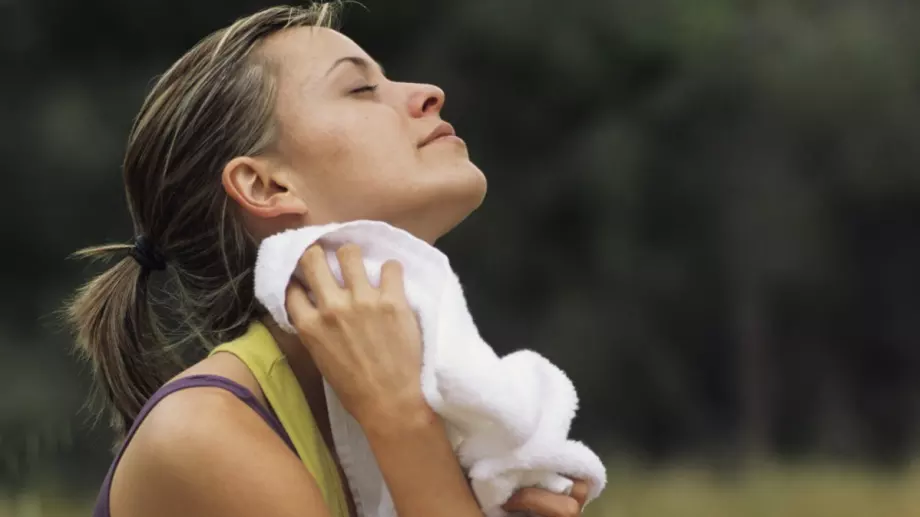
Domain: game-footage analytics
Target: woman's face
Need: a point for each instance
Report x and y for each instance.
(353, 144)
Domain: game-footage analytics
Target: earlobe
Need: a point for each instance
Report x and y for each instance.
(260, 188)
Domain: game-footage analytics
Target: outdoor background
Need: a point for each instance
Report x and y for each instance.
(706, 212)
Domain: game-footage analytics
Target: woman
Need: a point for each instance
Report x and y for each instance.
(274, 122)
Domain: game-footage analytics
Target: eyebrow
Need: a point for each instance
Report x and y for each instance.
(359, 62)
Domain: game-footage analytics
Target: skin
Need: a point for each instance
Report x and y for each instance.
(345, 152)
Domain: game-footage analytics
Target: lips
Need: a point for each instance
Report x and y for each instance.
(443, 129)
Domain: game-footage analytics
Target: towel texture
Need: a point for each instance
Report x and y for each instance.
(508, 417)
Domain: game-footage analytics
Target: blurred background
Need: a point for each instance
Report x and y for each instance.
(706, 212)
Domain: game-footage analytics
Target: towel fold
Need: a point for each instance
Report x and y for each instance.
(508, 417)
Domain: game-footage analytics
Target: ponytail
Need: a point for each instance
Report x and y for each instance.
(215, 103)
(118, 332)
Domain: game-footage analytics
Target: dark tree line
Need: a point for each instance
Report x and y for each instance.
(707, 212)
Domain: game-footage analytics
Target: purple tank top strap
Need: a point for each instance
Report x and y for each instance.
(192, 381)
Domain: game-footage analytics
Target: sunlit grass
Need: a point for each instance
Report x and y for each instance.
(36, 504)
(775, 491)
(778, 491)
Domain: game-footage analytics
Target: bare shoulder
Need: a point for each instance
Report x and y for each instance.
(203, 452)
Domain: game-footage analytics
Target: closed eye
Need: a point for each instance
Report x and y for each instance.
(369, 88)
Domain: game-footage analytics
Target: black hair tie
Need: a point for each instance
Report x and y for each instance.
(146, 254)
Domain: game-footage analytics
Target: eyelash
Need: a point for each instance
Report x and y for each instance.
(369, 88)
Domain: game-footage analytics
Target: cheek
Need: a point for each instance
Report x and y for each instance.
(367, 153)
(351, 142)
(349, 159)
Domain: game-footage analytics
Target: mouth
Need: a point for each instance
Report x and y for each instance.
(443, 131)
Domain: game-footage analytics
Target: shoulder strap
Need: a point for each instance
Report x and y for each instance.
(192, 381)
(209, 381)
(259, 351)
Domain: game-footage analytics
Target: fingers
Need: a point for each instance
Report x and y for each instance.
(326, 289)
(353, 273)
(548, 504)
(301, 312)
(391, 280)
(318, 275)
(579, 492)
(543, 503)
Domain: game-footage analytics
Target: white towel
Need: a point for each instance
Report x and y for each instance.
(508, 418)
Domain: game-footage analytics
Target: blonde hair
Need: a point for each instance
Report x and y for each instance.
(215, 103)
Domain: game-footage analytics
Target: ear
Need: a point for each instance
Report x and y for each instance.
(261, 188)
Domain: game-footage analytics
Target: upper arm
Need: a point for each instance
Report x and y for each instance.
(202, 452)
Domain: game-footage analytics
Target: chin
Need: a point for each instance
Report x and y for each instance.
(442, 215)
(449, 196)
(452, 212)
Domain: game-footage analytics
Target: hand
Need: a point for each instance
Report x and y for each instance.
(365, 341)
(548, 504)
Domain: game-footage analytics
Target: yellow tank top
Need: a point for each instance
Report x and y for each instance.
(259, 351)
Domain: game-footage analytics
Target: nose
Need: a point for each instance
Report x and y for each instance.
(426, 99)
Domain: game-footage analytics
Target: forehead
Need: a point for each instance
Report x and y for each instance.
(307, 53)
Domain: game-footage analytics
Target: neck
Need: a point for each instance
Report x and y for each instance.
(308, 375)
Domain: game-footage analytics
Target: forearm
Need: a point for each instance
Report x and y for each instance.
(420, 469)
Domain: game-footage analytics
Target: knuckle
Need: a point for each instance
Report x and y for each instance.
(313, 252)
(304, 324)
(364, 304)
(389, 304)
(304, 261)
(348, 250)
(294, 304)
(310, 255)
(329, 316)
(334, 309)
